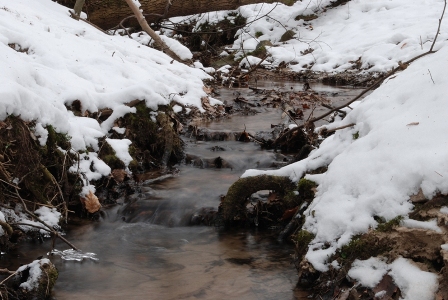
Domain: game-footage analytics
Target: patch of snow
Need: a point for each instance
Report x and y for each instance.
(414, 283)
(49, 215)
(34, 273)
(368, 272)
(121, 148)
(431, 224)
(444, 210)
(444, 247)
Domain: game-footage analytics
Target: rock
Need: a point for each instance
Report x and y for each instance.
(34, 281)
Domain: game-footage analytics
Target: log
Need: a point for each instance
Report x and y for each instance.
(108, 13)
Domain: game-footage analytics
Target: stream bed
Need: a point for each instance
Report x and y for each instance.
(149, 252)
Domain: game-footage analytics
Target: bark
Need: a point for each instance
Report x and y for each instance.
(144, 24)
(108, 13)
(78, 8)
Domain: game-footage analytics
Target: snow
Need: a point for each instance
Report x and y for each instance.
(430, 225)
(368, 272)
(49, 215)
(34, 273)
(414, 283)
(48, 60)
(121, 148)
(379, 33)
(375, 174)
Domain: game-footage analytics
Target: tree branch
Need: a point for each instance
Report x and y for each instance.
(157, 40)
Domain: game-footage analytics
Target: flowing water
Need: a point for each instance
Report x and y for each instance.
(147, 251)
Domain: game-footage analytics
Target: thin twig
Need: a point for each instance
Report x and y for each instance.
(431, 76)
(438, 29)
(43, 223)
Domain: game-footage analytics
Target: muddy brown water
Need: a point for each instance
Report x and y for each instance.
(150, 253)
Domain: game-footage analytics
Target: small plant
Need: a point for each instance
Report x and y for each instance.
(302, 239)
(354, 248)
(258, 34)
(356, 135)
(384, 226)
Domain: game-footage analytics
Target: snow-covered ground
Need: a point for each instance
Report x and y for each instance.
(380, 33)
(48, 60)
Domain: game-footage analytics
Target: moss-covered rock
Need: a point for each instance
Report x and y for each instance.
(233, 206)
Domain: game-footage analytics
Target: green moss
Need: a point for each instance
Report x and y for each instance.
(302, 239)
(57, 139)
(305, 188)
(364, 246)
(356, 135)
(234, 204)
(384, 226)
(258, 34)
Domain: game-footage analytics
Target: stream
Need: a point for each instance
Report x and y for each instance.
(147, 251)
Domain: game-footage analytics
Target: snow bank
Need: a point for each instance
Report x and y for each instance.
(48, 60)
(401, 148)
(414, 283)
(378, 33)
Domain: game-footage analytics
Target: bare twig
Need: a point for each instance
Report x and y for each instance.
(43, 223)
(157, 40)
(438, 28)
(6, 279)
(431, 76)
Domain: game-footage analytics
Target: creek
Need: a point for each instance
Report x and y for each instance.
(147, 251)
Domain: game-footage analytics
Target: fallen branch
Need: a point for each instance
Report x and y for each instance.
(157, 40)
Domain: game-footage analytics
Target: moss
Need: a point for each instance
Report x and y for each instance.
(384, 226)
(57, 139)
(356, 135)
(363, 247)
(305, 188)
(288, 35)
(233, 207)
(258, 34)
(304, 237)
(47, 281)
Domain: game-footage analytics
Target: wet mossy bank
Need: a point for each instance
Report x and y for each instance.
(43, 170)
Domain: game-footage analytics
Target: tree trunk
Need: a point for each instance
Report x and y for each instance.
(108, 13)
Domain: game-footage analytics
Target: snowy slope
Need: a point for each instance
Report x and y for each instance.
(48, 60)
(380, 33)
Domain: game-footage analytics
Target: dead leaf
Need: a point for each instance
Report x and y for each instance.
(91, 203)
(387, 287)
(207, 90)
(413, 124)
(119, 175)
(289, 213)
